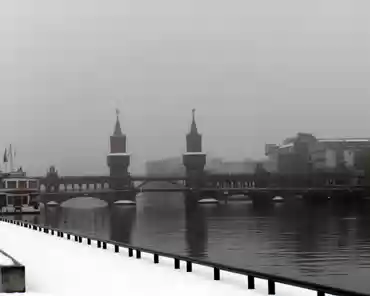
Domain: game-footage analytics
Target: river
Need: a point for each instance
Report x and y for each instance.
(327, 244)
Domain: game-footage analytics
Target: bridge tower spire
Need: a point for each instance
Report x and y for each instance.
(118, 159)
(194, 160)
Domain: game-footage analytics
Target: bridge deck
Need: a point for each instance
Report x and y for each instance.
(57, 266)
(229, 190)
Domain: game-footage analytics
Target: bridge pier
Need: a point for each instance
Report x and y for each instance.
(127, 197)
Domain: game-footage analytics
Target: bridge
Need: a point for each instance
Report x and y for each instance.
(196, 184)
(217, 187)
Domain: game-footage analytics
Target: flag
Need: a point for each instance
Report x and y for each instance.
(5, 156)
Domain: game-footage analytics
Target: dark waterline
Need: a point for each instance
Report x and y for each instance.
(328, 243)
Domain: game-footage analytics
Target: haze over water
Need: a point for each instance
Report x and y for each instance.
(327, 244)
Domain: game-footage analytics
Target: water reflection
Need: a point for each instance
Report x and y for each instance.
(196, 233)
(122, 221)
(326, 243)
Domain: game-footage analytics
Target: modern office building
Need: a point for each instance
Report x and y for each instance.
(304, 153)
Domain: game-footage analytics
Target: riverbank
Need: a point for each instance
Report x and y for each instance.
(56, 266)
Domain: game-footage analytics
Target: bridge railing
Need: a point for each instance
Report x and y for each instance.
(321, 290)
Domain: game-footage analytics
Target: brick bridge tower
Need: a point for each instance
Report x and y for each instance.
(118, 161)
(51, 180)
(194, 161)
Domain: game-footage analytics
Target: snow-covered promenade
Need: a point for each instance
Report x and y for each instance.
(57, 266)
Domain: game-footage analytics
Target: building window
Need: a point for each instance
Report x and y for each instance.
(22, 184)
(11, 184)
(33, 184)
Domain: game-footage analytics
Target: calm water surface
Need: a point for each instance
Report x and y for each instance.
(329, 244)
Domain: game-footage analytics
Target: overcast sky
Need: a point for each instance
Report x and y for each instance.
(257, 71)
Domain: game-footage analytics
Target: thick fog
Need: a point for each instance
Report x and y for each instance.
(256, 71)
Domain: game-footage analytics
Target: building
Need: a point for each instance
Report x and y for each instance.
(174, 166)
(305, 153)
(165, 167)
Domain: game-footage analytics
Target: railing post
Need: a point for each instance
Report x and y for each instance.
(116, 249)
(68, 236)
(104, 245)
(76, 238)
(189, 267)
(89, 241)
(251, 282)
(130, 252)
(156, 258)
(177, 263)
(52, 232)
(320, 293)
(99, 244)
(216, 274)
(138, 254)
(61, 234)
(271, 287)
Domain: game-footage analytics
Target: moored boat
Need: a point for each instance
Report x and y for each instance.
(18, 193)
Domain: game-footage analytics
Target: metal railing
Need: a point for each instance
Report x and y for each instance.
(321, 290)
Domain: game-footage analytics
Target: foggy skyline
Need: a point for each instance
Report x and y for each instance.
(256, 72)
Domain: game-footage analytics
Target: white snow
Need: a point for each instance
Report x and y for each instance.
(52, 203)
(208, 200)
(125, 202)
(5, 260)
(57, 266)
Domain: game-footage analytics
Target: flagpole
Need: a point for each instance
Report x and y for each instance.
(5, 160)
(11, 158)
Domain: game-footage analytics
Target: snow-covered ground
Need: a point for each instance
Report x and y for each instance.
(57, 266)
(5, 260)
